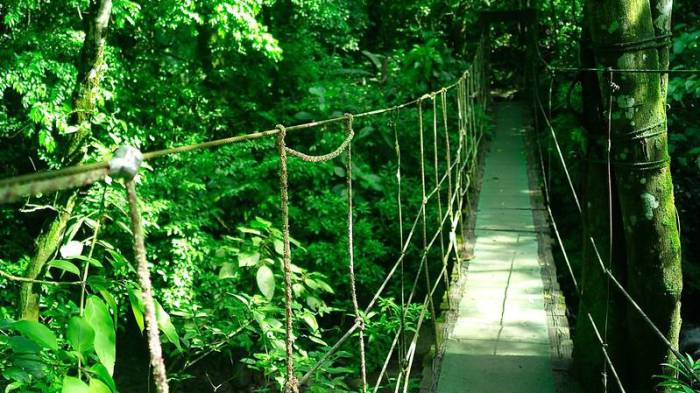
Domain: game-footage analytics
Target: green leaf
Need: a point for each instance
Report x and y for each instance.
(98, 316)
(318, 341)
(74, 385)
(279, 246)
(322, 285)
(248, 259)
(137, 307)
(227, 270)
(65, 266)
(97, 386)
(22, 345)
(166, 326)
(250, 231)
(313, 302)
(91, 261)
(310, 320)
(101, 372)
(109, 299)
(266, 281)
(80, 334)
(13, 386)
(37, 332)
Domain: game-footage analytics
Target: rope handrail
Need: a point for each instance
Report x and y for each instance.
(14, 188)
(571, 69)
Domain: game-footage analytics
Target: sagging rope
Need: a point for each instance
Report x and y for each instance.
(15, 188)
(292, 383)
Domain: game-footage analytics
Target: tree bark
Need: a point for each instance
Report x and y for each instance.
(605, 305)
(624, 37)
(90, 71)
(661, 13)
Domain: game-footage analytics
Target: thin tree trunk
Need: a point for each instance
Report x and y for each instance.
(90, 71)
(623, 35)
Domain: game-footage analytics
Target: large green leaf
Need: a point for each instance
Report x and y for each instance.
(74, 385)
(81, 335)
(227, 270)
(136, 300)
(266, 281)
(248, 259)
(97, 314)
(37, 332)
(310, 320)
(101, 372)
(166, 326)
(21, 344)
(65, 266)
(97, 386)
(279, 246)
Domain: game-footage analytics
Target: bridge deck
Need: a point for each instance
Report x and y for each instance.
(500, 341)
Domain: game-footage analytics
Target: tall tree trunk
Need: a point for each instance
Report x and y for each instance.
(90, 71)
(624, 36)
(603, 303)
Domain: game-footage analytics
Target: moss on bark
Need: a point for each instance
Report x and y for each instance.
(643, 179)
(90, 71)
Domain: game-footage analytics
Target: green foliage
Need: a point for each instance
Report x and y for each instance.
(685, 376)
(37, 359)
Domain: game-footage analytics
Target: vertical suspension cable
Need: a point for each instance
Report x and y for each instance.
(439, 199)
(608, 150)
(402, 326)
(448, 163)
(448, 149)
(291, 383)
(424, 201)
(351, 261)
(457, 185)
(468, 128)
(549, 115)
(160, 378)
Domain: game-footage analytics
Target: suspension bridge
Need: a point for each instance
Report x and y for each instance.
(504, 327)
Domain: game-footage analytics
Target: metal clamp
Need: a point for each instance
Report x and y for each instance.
(125, 163)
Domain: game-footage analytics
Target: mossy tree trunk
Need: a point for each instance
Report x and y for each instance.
(90, 72)
(625, 36)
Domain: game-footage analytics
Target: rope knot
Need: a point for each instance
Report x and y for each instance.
(350, 117)
(292, 385)
(360, 322)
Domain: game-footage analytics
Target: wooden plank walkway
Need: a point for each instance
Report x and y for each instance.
(500, 342)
